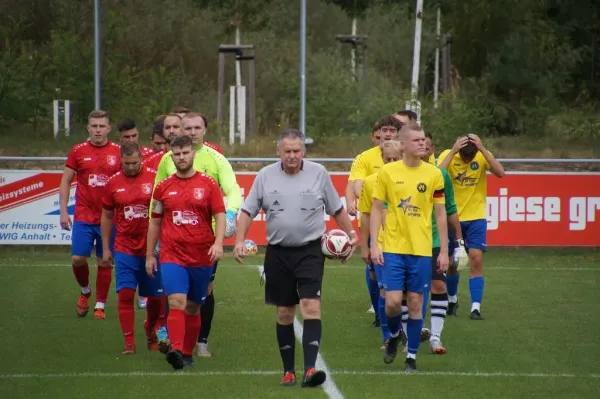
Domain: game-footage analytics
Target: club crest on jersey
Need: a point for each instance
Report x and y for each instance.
(146, 188)
(421, 187)
(199, 193)
(474, 165)
(111, 159)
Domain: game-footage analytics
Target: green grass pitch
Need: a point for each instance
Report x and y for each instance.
(540, 339)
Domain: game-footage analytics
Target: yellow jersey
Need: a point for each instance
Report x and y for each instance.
(432, 159)
(365, 201)
(410, 194)
(366, 163)
(470, 185)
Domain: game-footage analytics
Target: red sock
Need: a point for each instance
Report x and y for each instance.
(192, 329)
(82, 275)
(152, 311)
(103, 279)
(176, 327)
(162, 319)
(126, 313)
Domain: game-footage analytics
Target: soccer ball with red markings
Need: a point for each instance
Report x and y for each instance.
(335, 244)
(250, 247)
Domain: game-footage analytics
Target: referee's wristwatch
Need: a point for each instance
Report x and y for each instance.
(459, 242)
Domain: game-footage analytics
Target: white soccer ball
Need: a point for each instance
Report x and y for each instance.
(335, 244)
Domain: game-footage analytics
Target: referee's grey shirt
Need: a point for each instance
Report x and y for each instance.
(294, 205)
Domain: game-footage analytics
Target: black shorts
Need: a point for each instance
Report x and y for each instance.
(434, 273)
(293, 273)
(214, 273)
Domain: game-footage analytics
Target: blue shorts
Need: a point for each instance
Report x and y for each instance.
(474, 233)
(379, 275)
(193, 281)
(406, 272)
(85, 235)
(130, 272)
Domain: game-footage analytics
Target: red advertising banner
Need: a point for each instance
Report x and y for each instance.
(523, 209)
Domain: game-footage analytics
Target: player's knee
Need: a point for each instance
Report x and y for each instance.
(78, 261)
(177, 301)
(476, 260)
(285, 315)
(415, 303)
(438, 287)
(393, 300)
(192, 308)
(310, 308)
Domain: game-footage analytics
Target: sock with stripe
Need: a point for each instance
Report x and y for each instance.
(439, 306)
(126, 313)
(287, 345)
(404, 315)
(311, 340)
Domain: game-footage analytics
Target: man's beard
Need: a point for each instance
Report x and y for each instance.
(185, 168)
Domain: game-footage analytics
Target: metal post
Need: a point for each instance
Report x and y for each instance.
(353, 52)
(97, 55)
(436, 77)
(67, 117)
(56, 120)
(417, 50)
(303, 66)
(231, 115)
(221, 83)
(252, 97)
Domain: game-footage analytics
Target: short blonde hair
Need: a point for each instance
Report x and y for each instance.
(394, 145)
(98, 114)
(191, 115)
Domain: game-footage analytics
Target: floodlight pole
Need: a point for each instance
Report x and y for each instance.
(97, 56)
(303, 66)
(417, 51)
(436, 78)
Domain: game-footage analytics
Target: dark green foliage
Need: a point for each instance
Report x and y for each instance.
(519, 66)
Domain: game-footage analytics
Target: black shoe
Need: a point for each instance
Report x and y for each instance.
(452, 306)
(313, 378)
(175, 359)
(188, 360)
(377, 322)
(476, 315)
(389, 354)
(410, 366)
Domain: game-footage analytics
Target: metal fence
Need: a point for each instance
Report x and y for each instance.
(333, 160)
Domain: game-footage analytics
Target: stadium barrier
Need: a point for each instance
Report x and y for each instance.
(523, 208)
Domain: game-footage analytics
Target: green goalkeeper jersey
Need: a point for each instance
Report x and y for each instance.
(450, 205)
(215, 165)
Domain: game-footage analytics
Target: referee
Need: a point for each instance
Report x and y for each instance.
(295, 195)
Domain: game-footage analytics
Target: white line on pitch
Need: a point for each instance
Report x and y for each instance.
(490, 374)
(329, 385)
(489, 268)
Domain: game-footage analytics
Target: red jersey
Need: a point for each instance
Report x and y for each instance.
(94, 166)
(153, 160)
(214, 147)
(146, 151)
(187, 207)
(129, 198)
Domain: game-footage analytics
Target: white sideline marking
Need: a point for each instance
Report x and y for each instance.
(329, 386)
(490, 268)
(99, 374)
